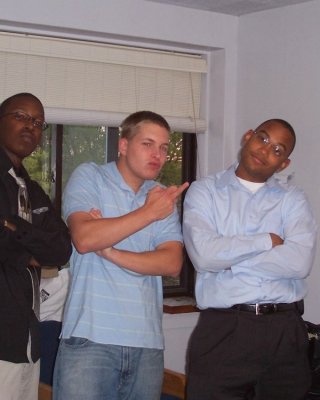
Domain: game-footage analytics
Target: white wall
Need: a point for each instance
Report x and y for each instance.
(177, 331)
(279, 64)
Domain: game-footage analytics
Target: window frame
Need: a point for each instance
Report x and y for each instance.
(189, 172)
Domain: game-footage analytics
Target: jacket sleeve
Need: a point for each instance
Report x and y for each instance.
(46, 239)
(10, 252)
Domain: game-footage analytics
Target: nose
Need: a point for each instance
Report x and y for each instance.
(157, 152)
(265, 148)
(29, 123)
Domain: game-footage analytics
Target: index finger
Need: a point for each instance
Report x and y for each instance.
(181, 188)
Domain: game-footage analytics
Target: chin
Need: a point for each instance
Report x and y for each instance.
(151, 176)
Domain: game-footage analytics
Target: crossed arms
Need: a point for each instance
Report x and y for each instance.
(92, 233)
(221, 236)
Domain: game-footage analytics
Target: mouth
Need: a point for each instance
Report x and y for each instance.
(257, 159)
(154, 166)
(27, 137)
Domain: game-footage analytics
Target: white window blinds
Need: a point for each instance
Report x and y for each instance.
(100, 84)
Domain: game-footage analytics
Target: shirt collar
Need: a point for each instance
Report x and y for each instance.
(228, 177)
(144, 189)
(6, 165)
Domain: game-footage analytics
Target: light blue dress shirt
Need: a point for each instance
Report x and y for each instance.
(108, 304)
(226, 232)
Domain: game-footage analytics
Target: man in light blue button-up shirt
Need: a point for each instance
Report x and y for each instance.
(251, 239)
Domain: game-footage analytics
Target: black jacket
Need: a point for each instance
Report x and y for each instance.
(47, 239)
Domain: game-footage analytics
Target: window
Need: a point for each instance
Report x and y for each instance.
(64, 147)
(97, 82)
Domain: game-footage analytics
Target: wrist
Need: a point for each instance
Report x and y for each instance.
(6, 224)
(148, 215)
(110, 254)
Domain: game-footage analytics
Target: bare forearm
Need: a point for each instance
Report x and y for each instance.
(91, 232)
(162, 261)
(95, 234)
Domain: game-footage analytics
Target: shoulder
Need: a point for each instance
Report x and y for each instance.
(294, 198)
(89, 173)
(207, 183)
(286, 188)
(87, 168)
(295, 194)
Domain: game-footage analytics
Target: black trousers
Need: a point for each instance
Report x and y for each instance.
(50, 332)
(237, 355)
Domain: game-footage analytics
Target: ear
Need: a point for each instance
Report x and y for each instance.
(123, 146)
(247, 136)
(284, 165)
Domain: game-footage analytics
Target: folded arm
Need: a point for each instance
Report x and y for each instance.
(294, 257)
(45, 241)
(93, 234)
(285, 250)
(207, 248)
(165, 260)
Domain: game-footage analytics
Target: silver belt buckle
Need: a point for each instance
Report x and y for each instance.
(258, 309)
(258, 312)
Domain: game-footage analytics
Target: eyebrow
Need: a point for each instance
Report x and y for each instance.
(40, 116)
(153, 141)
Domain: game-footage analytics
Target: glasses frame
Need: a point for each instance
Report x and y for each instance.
(25, 117)
(277, 149)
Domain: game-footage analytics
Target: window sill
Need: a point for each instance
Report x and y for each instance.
(179, 305)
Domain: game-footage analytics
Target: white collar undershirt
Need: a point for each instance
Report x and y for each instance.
(252, 186)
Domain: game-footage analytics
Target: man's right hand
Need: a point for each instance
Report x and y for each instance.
(161, 201)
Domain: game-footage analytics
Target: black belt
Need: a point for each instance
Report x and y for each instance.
(266, 308)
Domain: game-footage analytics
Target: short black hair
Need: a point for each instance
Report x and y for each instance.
(5, 104)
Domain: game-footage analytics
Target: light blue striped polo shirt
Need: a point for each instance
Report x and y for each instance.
(108, 304)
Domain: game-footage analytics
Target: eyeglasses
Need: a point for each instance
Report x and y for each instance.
(24, 117)
(277, 149)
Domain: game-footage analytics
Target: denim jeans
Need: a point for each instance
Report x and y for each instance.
(86, 370)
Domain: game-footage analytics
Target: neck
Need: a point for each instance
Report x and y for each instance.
(16, 161)
(243, 174)
(131, 180)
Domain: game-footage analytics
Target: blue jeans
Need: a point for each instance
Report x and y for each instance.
(86, 370)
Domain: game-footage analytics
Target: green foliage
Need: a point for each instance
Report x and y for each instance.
(81, 144)
(38, 164)
(171, 173)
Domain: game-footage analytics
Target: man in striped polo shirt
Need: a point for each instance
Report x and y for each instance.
(126, 234)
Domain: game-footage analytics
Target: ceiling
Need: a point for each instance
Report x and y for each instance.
(232, 7)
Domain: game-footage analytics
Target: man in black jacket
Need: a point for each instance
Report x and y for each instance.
(31, 235)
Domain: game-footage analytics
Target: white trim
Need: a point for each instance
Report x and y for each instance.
(95, 118)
